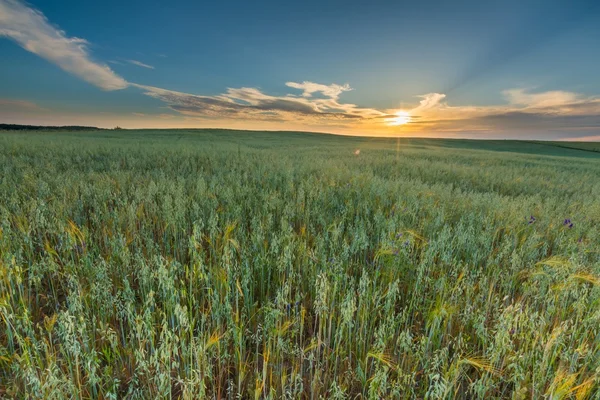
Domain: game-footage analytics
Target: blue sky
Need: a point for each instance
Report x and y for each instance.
(525, 69)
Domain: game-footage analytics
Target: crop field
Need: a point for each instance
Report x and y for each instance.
(268, 265)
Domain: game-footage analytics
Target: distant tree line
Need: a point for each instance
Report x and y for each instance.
(15, 127)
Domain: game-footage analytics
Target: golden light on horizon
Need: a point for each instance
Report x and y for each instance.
(401, 118)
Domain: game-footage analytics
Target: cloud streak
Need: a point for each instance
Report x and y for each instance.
(309, 88)
(140, 64)
(525, 110)
(10, 104)
(31, 30)
(253, 104)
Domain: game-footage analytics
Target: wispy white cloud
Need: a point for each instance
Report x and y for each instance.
(554, 98)
(253, 104)
(309, 88)
(525, 110)
(140, 64)
(31, 30)
(429, 101)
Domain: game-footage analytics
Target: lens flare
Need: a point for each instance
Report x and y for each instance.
(401, 118)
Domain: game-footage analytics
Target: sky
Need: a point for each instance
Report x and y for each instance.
(527, 69)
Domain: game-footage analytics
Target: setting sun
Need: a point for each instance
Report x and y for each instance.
(402, 118)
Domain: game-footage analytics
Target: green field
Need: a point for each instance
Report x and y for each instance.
(223, 264)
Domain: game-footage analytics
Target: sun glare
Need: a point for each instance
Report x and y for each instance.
(401, 118)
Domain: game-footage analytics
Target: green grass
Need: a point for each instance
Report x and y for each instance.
(585, 146)
(222, 264)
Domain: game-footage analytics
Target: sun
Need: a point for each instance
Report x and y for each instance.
(401, 118)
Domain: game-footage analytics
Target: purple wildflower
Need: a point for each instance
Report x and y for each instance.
(398, 235)
(80, 248)
(406, 243)
(288, 307)
(531, 219)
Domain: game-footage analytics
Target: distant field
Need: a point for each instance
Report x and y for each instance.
(229, 264)
(589, 146)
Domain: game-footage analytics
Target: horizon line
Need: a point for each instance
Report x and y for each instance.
(118, 128)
